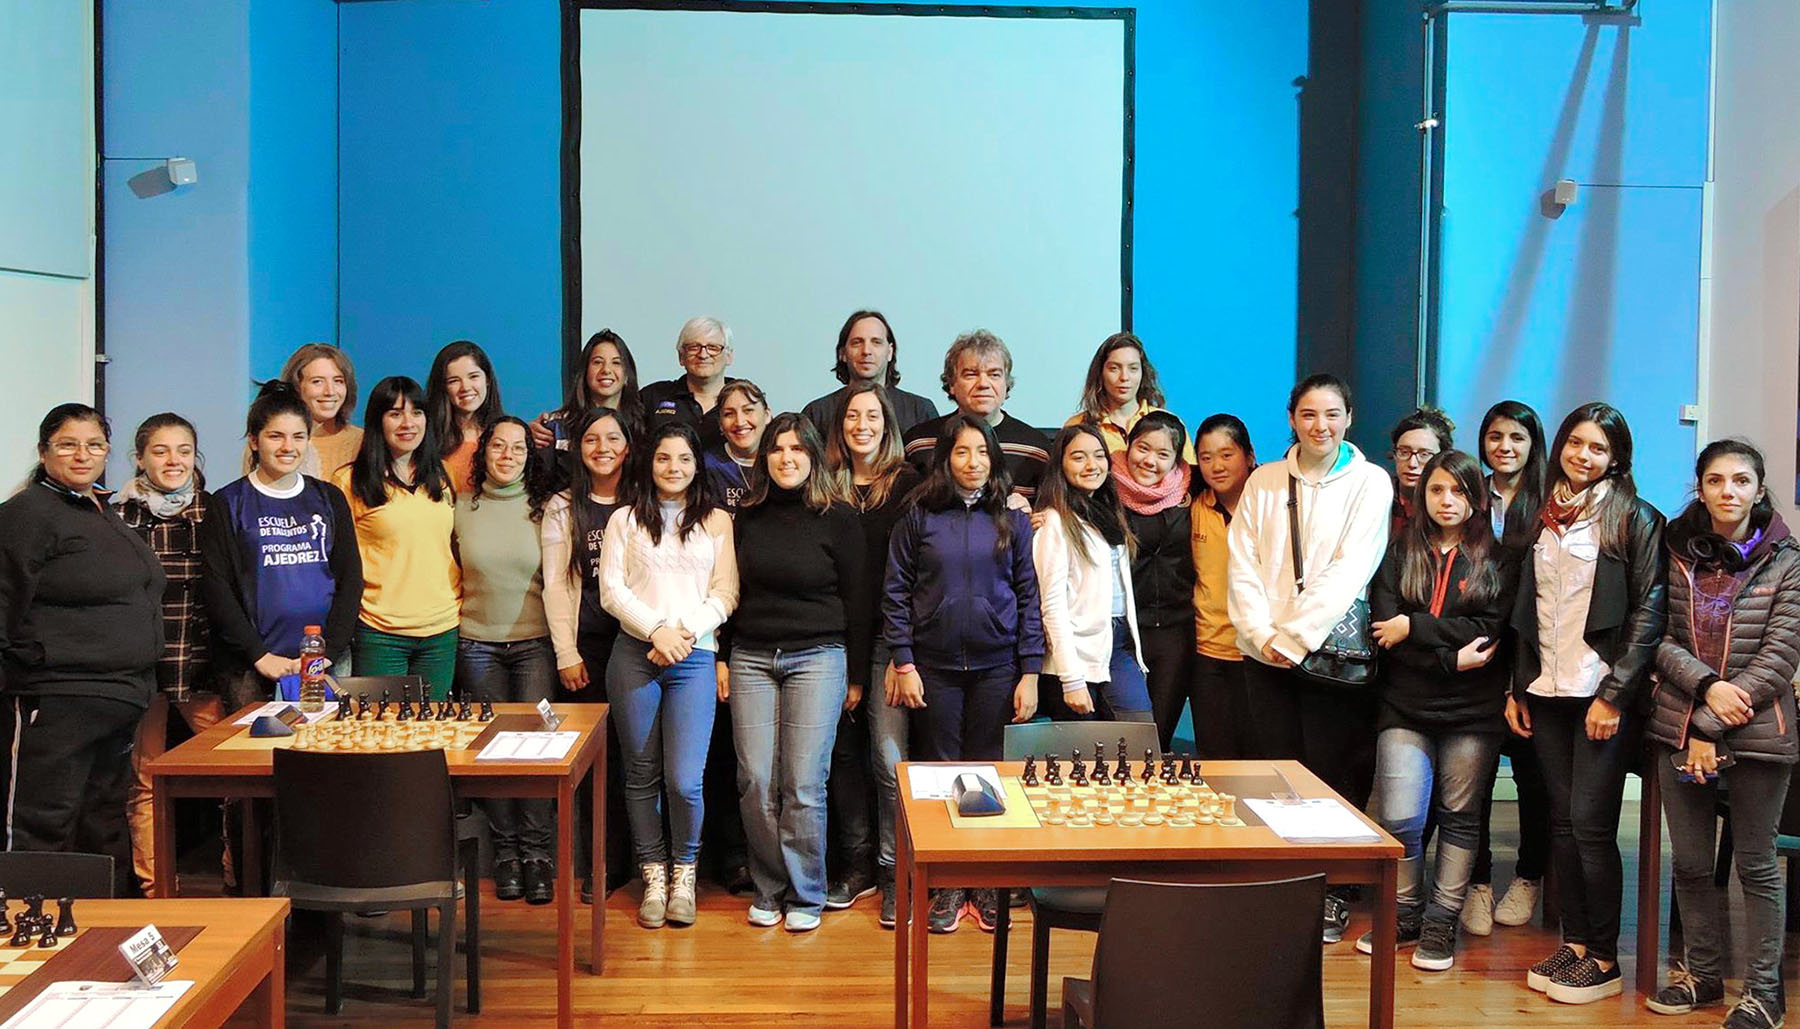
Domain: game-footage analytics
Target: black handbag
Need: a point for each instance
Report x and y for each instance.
(1347, 657)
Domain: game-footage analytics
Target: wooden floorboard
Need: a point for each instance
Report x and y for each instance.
(722, 972)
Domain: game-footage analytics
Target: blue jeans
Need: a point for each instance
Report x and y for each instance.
(520, 672)
(1125, 697)
(664, 717)
(870, 739)
(1757, 791)
(784, 715)
(1410, 767)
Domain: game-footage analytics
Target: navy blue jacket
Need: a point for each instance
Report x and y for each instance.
(952, 602)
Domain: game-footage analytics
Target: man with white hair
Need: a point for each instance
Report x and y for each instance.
(703, 349)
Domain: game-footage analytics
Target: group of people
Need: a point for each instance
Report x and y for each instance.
(788, 605)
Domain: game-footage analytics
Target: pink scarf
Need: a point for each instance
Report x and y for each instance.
(1172, 491)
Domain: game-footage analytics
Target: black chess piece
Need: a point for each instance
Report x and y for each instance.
(23, 930)
(65, 917)
(1052, 770)
(405, 712)
(446, 711)
(362, 704)
(1028, 777)
(1168, 770)
(343, 707)
(424, 709)
(1188, 774)
(1149, 765)
(487, 710)
(5, 919)
(34, 908)
(1102, 776)
(48, 939)
(1124, 760)
(463, 713)
(1077, 769)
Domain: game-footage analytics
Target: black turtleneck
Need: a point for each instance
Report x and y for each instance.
(800, 579)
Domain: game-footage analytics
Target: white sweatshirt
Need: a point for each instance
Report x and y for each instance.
(1077, 603)
(1343, 536)
(688, 584)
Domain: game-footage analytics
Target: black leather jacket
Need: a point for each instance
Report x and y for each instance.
(1626, 615)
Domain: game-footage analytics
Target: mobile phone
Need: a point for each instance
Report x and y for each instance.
(1677, 760)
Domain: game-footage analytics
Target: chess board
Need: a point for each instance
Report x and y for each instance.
(1133, 804)
(17, 963)
(369, 736)
(90, 954)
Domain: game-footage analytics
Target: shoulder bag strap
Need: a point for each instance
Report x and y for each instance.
(1293, 508)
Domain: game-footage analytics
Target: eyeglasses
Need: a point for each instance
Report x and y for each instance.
(70, 447)
(515, 449)
(1409, 455)
(699, 349)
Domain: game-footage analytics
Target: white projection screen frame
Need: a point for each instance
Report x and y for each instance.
(779, 165)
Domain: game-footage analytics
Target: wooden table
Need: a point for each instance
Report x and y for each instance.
(1649, 897)
(234, 952)
(200, 768)
(931, 853)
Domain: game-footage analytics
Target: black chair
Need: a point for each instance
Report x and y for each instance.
(398, 685)
(55, 874)
(1056, 907)
(1169, 952)
(361, 832)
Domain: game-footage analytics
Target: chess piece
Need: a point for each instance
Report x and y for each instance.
(1077, 769)
(1168, 770)
(5, 919)
(22, 933)
(1149, 765)
(405, 712)
(1028, 778)
(446, 711)
(34, 908)
(1102, 777)
(1124, 760)
(1188, 774)
(487, 710)
(1052, 771)
(462, 710)
(381, 709)
(65, 917)
(362, 705)
(424, 709)
(48, 939)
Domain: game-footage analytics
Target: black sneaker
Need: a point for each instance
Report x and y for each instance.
(854, 886)
(1406, 933)
(886, 877)
(1437, 946)
(1337, 918)
(1585, 982)
(1757, 1011)
(946, 911)
(540, 882)
(1685, 992)
(508, 881)
(1538, 976)
(985, 906)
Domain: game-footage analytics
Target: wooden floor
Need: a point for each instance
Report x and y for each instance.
(722, 972)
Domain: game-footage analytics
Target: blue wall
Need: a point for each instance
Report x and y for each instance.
(449, 173)
(1600, 301)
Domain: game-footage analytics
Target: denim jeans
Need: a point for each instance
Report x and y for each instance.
(784, 714)
(519, 672)
(1586, 782)
(665, 718)
(1410, 768)
(385, 653)
(965, 713)
(1757, 789)
(1124, 697)
(865, 773)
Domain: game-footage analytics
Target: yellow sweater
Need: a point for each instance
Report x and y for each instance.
(1214, 635)
(411, 583)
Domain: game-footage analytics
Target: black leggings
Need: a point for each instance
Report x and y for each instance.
(1222, 726)
(1329, 729)
(1534, 815)
(1168, 654)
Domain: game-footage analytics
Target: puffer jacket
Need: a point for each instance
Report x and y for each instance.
(1762, 651)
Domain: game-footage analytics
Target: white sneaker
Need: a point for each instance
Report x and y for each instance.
(802, 921)
(654, 910)
(1478, 910)
(681, 894)
(1520, 900)
(764, 918)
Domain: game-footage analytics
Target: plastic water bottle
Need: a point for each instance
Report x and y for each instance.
(312, 670)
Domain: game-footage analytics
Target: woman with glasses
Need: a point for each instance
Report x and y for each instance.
(81, 630)
(1417, 438)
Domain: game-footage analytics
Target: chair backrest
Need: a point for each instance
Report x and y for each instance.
(351, 685)
(1064, 738)
(1227, 956)
(55, 874)
(364, 821)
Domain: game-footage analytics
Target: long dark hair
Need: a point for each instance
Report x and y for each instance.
(578, 400)
(938, 491)
(1528, 500)
(1093, 391)
(372, 473)
(890, 456)
(842, 368)
(702, 497)
(1612, 516)
(1417, 542)
(578, 481)
(1690, 534)
(821, 489)
(440, 409)
(538, 478)
(1100, 509)
(170, 420)
(274, 398)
